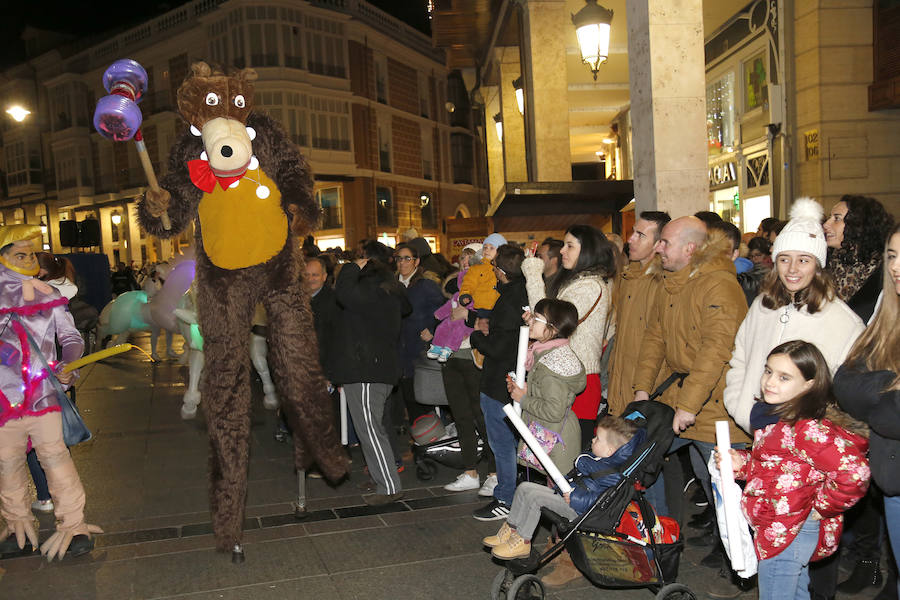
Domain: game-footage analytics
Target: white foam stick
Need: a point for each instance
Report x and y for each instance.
(535, 446)
(520, 361)
(344, 434)
(731, 498)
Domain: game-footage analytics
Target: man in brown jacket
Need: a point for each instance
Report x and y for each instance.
(698, 311)
(633, 294)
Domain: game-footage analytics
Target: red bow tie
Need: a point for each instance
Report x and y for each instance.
(204, 178)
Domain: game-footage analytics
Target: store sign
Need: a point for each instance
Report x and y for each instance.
(812, 144)
(723, 173)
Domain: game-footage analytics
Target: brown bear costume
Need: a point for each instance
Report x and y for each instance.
(249, 190)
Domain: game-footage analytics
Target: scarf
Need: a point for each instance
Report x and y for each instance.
(761, 416)
(850, 274)
(540, 348)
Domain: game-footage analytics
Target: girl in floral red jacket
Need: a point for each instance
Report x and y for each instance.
(803, 472)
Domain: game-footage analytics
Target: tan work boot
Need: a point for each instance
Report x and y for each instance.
(515, 547)
(564, 572)
(501, 537)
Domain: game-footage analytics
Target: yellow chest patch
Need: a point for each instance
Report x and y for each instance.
(240, 229)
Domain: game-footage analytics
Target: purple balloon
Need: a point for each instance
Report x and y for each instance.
(117, 118)
(129, 71)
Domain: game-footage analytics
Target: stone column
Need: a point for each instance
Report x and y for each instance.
(668, 105)
(493, 143)
(513, 121)
(546, 26)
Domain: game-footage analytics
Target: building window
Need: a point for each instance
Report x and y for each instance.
(385, 211)
(428, 211)
(329, 123)
(329, 200)
(424, 102)
(720, 115)
(292, 42)
(756, 84)
(427, 153)
(384, 147)
(263, 43)
(381, 79)
(325, 47)
(461, 156)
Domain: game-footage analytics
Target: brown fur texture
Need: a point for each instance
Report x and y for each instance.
(233, 95)
(225, 304)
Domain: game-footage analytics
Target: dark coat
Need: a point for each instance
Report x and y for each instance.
(752, 279)
(859, 392)
(864, 300)
(326, 314)
(425, 297)
(372, 305)
(501, 346)
(596, 474)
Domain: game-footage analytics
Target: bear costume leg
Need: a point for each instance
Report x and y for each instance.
(225, 310)
(294, 362)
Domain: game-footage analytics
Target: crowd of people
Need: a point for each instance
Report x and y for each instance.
(787, 334)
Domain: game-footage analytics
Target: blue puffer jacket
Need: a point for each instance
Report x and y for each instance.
(588, 489)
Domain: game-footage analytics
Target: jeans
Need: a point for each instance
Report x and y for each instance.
(785, 576)
(503, 441)
(525, 512)
(37, 474)
(892, 517)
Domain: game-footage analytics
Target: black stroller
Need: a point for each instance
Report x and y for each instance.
(429, 389)
(605, 556)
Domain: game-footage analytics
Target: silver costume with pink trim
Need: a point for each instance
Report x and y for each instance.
(27, 391)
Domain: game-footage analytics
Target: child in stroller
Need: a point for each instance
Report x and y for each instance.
(613, 444)
(617, 541)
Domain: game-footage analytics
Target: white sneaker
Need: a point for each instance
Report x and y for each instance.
(42, 506)
(487, 489)
(463, 482)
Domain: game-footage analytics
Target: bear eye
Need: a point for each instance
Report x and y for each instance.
(212, 99)
(239, 101)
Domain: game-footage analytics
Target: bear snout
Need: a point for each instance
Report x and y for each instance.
(227, 144)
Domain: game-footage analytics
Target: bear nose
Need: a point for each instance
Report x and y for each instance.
(227, 151)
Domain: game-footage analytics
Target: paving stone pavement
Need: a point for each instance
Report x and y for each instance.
(145, 477)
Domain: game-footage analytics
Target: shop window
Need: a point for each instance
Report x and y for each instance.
(720, 115)
(329, 200)
(756, 84)
(385, 210)
(327, 243)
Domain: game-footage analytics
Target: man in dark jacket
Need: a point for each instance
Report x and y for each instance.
(372, 304)
(498, 342)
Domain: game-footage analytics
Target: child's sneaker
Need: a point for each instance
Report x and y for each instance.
(444, 355)
(478, 358)
(501, 537)
(433, 351)
(514, 547)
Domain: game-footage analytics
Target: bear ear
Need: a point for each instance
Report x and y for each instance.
(201, 69)
(248, 75)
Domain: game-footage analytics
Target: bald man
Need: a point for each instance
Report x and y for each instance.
(692, 331)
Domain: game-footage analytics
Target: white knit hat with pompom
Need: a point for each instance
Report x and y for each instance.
(803, 233)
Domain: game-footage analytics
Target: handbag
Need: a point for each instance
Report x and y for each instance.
(74, 429)
(547, 438)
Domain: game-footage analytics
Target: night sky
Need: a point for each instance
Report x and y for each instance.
(93, 17)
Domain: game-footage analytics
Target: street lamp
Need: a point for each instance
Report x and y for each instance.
(592, 28)
(520, 94)
(116, 218)
(498, 123)
(18, 113)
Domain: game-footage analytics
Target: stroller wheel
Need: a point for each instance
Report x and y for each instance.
(676, 591)
(501, 583)
(526, 587)
(426, 470)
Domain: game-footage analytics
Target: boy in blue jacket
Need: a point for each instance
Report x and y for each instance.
(613, 444)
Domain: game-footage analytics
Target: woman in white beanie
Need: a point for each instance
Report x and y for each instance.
(797, 301)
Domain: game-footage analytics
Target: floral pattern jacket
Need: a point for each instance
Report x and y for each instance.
(794, 469)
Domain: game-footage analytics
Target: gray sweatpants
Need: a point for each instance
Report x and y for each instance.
(366, 401)
(525, 512)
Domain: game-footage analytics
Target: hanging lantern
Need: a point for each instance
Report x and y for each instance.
(520, 95)
(498, 123)
(592, 28)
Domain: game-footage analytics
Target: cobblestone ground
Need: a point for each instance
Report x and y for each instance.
(145, 477)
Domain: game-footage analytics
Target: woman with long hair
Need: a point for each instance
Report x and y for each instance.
(868, 387)
(797, 301)
(584, 279)
(855, 232)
